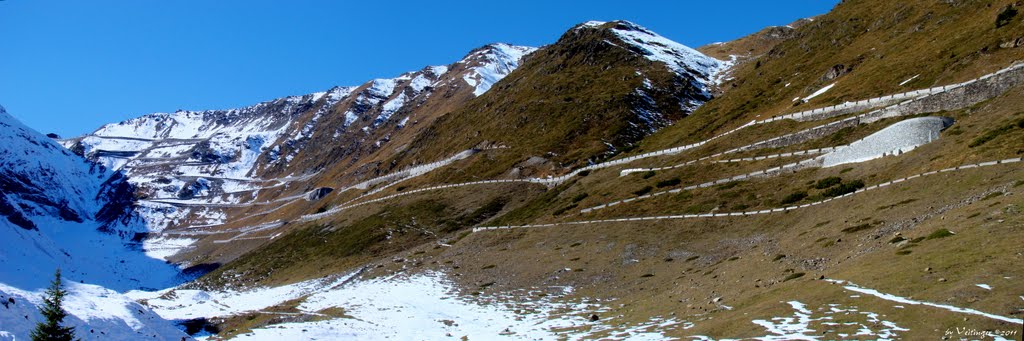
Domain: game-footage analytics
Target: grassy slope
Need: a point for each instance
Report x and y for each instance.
(754, 45)
(563, 103)
(737, 257)
(884, 43)
(650, 267)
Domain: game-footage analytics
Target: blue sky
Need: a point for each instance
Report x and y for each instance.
(69, 66)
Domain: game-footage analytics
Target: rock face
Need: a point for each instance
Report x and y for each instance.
(895, 139)
(319, 193)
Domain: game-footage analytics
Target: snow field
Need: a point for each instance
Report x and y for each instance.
(408, 307)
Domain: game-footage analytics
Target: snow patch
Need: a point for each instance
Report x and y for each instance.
(816, 93)
(427, 306)
(889, 297)
(897, 138)
(819, 324)
(909, 79)
(389, 108)
(163, 247)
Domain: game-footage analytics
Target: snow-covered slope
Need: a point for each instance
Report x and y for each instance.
(95, 312)
(39, 178)
(206, 141)
(53, 205)
(51, 199)
(492, 63)
(190, 154)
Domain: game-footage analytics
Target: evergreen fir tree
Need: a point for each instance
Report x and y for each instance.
(51, 329)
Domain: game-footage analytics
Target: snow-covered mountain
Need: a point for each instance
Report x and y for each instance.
(58, 210)
(208, 168)
(186, 155)
(189, 166)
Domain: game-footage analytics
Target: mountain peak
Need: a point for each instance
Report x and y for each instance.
(490, 63)
(678, 57)
(614, 24)
(500, 47)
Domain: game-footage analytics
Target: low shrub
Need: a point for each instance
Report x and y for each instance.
(828, 182)
(992, 195)
(844, 188)
(642, 191)
(794, 197)
(667, 183)
(857, 228)
(794, 276)
(1006, 16)
(940, 233)
(563, 210)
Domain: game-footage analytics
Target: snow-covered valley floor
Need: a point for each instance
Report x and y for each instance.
(407, 307)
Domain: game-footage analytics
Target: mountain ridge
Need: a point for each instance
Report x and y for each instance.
(225, 158)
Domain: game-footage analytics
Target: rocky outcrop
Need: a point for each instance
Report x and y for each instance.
(319, 193)
(118, 196)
